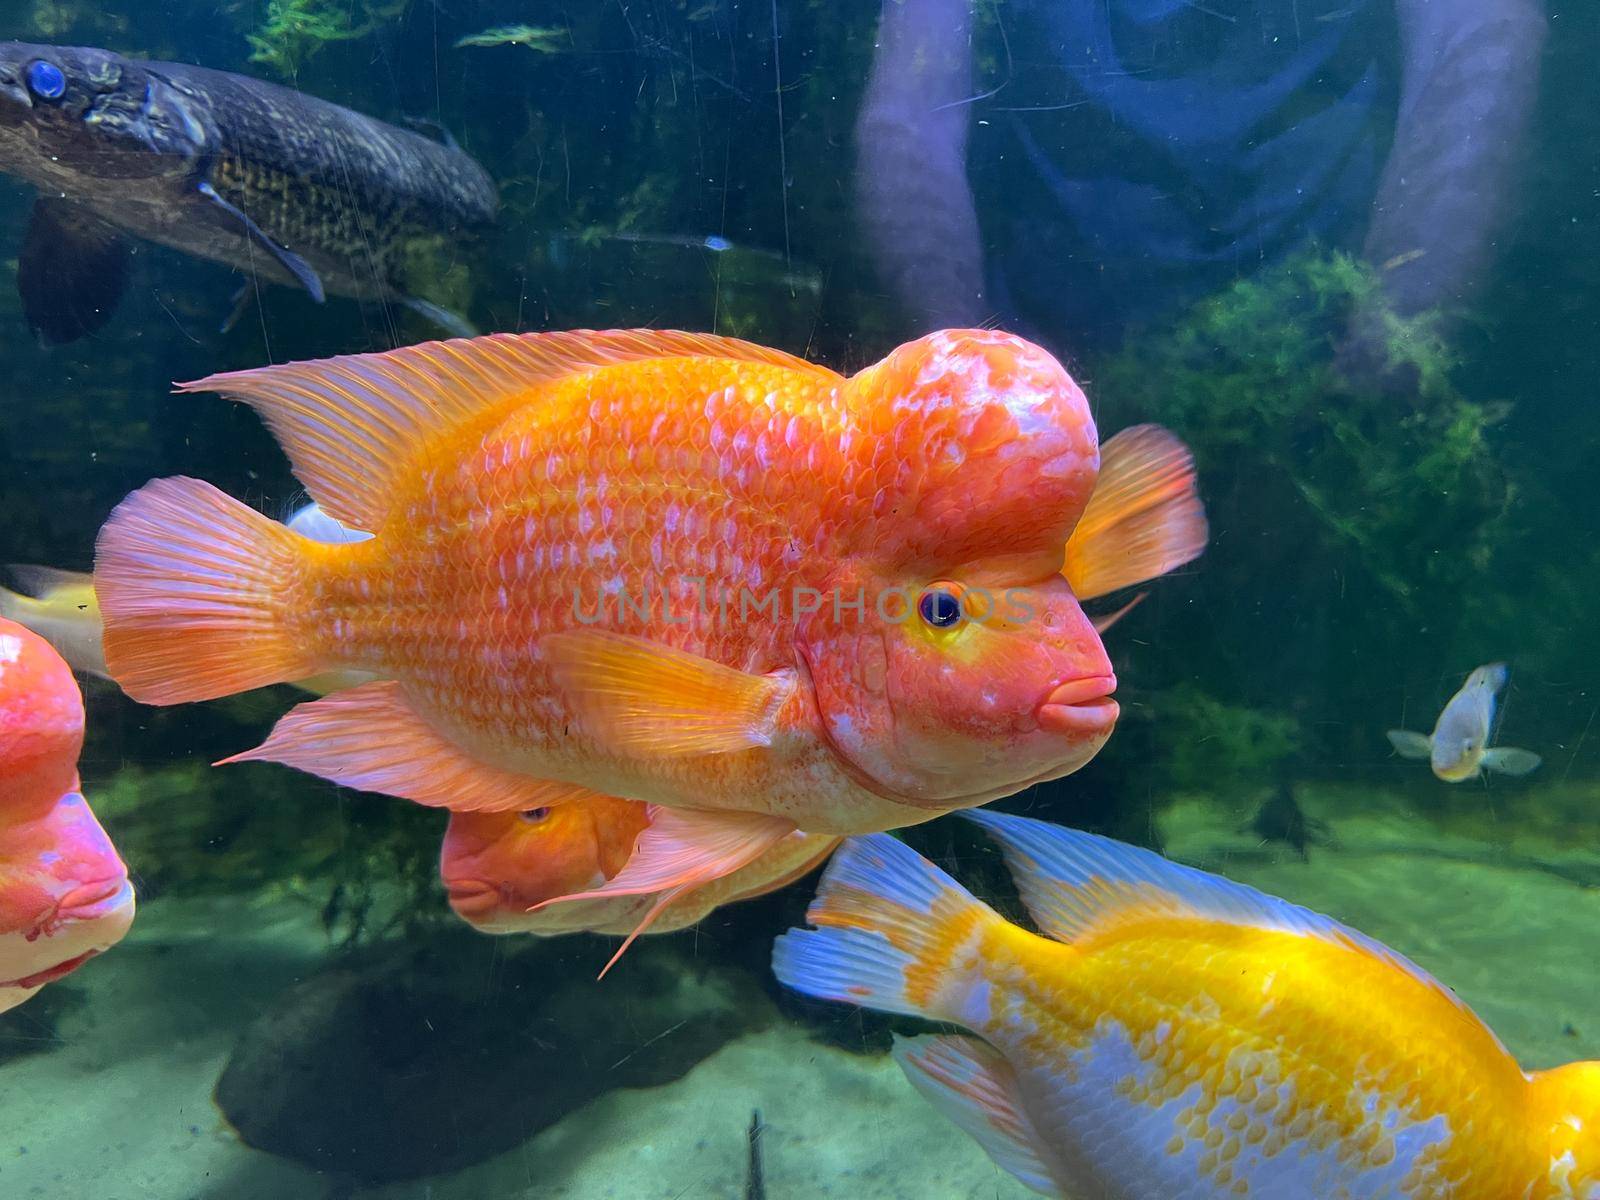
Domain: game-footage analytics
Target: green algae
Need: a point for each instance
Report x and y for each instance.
(296, 30)
(545, 41)
(367, 864)
(1407, 487)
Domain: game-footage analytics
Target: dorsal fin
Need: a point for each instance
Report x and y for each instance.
(1075, 884)
(351, 425)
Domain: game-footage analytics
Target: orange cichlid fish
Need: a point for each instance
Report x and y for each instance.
(499, 866)
(1176, 1035)
(64, 893)
(674, 567)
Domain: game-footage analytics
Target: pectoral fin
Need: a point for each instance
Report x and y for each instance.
(682, 850)
(973, 1086)
(369, 737)
(649, 700)
(71, 271)
(1507, 760)
(288, 259)
(1143, 519)
(1410, 745)
(452, 323)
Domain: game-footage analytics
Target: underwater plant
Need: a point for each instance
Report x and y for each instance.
(367, 864)
(1359, 516)
(1252, 378)
(545, 41)
(294, 30)
(1223, 747)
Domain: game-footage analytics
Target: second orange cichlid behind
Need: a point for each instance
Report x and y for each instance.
(674, 567)
(514, 872)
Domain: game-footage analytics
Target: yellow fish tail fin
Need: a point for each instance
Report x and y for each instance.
(894, 932)
(1144, 517)
(193, 588)
(976, 1089)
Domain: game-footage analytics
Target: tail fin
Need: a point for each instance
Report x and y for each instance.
(894, 933)
(192, 585)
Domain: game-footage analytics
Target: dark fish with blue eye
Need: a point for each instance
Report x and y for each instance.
(277, 184)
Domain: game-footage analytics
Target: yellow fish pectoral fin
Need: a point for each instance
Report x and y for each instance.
(369, 737)
(1410, 745)
(1144, 517)
(681, 850)
(972, 1085)
(648, 700)
(352, 425)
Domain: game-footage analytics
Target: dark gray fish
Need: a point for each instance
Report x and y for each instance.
(278, 184)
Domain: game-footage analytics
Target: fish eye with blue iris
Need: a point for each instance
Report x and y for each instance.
(897, 599)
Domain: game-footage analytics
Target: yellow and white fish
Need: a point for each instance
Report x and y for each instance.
(1459, 745)
(1176, 1036)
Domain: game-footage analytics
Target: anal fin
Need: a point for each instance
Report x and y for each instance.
(974, 1087)
(71, 271)
(369, 737)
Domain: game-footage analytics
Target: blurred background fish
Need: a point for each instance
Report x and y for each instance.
(277, 184)
(1458, 749)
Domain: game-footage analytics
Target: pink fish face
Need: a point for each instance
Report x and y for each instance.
(973, 693)
(952, 663)
(64, 897)
(497, 865)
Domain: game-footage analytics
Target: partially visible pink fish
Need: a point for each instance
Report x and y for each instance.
(536, 871)
(64, 892)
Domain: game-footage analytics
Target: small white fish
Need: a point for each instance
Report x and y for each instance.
(1459, 745)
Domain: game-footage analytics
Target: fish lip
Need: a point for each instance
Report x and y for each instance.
(1080, 707)
(94, 899)
(472, 897)
(50, 974)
